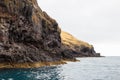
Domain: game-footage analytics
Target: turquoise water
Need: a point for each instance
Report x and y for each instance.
(105, 68)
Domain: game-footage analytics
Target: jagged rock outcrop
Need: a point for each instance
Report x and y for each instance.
(76, 47)
(28, 34)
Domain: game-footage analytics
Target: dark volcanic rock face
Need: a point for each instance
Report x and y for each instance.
(76, 47)
(27, 34)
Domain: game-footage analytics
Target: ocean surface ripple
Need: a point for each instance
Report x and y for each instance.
(103, 68)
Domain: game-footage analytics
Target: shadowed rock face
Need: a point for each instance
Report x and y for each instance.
(27, 33)
(76, 47)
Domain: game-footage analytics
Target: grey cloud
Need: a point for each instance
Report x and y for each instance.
(89, 20)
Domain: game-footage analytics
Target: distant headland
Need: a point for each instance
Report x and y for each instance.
(29, 37)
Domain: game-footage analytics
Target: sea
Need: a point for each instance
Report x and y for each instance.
(101, 68)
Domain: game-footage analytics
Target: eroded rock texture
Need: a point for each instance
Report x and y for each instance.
(76, 47)
(27, 34)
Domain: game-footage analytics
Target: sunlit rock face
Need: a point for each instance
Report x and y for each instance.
(27, 34)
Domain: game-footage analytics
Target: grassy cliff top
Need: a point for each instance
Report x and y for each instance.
(70, 40)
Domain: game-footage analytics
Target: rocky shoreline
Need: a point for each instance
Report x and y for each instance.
(29, 35)
(30, 65)
(34, 64)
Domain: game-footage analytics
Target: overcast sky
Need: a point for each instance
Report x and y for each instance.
(93, 21)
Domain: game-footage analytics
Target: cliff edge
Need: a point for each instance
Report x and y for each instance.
(76, 47)
(29, 35)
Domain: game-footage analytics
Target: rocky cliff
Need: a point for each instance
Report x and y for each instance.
(28, 34)
(76, 47)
